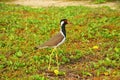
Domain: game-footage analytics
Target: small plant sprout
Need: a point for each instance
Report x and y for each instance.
(56, 72)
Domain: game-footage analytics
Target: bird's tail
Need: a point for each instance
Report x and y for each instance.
(36, 48)
(39, 47)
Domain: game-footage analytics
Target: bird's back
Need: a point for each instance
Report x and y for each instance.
(54, 41)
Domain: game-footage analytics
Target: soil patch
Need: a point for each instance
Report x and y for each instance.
(59, 3)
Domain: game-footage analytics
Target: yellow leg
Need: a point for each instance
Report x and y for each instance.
(57, 60)
(50, 58)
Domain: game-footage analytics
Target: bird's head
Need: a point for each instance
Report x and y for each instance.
(63, 22)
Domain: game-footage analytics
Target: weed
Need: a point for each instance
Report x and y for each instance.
(37, 77)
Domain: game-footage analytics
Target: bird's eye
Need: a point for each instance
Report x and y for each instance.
(65, 21)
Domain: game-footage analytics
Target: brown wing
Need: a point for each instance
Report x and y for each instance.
(53, 41)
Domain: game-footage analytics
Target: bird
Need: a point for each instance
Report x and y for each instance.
(56, 40)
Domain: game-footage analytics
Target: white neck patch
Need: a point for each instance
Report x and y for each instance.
(62, 23)
(62, 33)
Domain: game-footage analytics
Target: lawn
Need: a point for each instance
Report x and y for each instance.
(91, 50)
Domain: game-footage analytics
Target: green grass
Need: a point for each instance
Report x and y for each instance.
(6, 0)
(22, 28)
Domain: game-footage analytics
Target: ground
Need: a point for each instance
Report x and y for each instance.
(46, 3)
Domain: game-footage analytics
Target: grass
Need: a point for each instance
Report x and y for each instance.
(6, 0)
(91, 50)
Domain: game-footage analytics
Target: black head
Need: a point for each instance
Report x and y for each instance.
(63, 22)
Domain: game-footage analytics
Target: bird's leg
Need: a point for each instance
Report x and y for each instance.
(50, 58)
(57, 60)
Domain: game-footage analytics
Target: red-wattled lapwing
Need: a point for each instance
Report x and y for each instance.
(56, 40)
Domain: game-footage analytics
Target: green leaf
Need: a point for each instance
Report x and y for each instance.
(19, 53)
